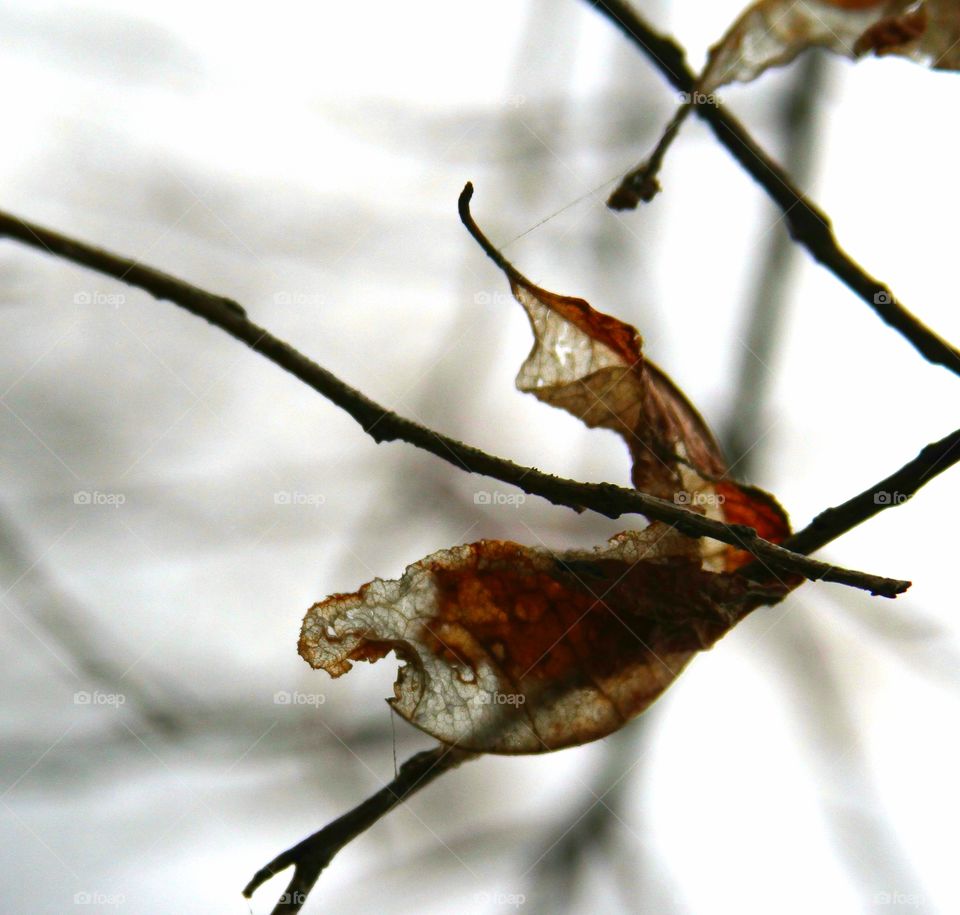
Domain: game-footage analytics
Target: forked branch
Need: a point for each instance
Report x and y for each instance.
(313, 854)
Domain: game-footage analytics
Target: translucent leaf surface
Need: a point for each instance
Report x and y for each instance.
(771, 33)
(514, 649)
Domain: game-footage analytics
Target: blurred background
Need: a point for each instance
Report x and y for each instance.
(171, 504)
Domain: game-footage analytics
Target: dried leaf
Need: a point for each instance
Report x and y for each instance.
(592, 366)
(771, 33)
(513, 649)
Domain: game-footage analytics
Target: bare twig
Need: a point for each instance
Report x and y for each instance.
(313, 854)
(641, 184)
(805, 221)
(384, 425)
(891, 491)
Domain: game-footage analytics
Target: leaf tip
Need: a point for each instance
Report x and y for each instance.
(463, 203)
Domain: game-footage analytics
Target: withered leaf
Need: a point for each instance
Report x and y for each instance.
(591, 365)
(771, 33)
(514, 649)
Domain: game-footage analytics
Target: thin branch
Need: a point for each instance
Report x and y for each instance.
(807, 224)
(313, 854)
(901, 486)
(891, 491)
(641, 184)
(384, 425)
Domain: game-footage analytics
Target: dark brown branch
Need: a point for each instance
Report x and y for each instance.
(889, 492)
(384, 425)
(313, 854)
(807, 224)
(641, 184)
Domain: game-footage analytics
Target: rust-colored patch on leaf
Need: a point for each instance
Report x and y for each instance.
(889, 36)
(513, 649)
(592, 365)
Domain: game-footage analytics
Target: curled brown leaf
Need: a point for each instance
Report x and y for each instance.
(513, 649)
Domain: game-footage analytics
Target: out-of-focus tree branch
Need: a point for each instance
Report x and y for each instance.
(762, 333)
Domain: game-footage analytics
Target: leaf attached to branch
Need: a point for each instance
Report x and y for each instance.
(515, 649)
(771, 33)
